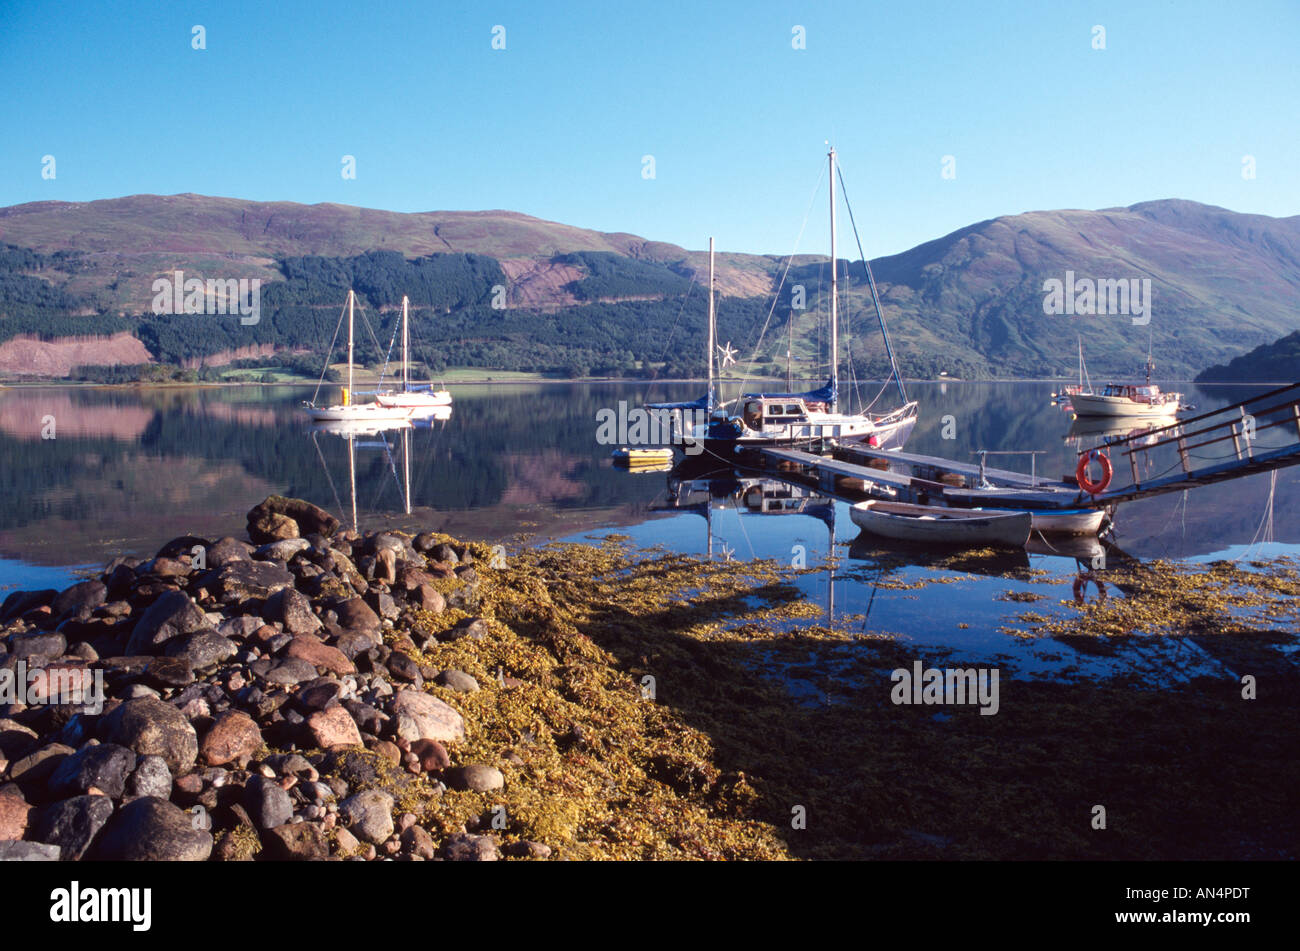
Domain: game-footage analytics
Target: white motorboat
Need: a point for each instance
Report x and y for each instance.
(1127, 401)
(1123, 400)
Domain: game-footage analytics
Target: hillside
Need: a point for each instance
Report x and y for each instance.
(1276, 362)
(970, 303)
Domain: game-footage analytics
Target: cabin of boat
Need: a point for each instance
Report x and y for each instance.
(1126, 399)
(791, 418)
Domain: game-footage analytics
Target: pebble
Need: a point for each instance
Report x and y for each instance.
(28, 852)
(207, 663)
(467, 847)
(369, 814)
(457, 680)
(474, 628)
(333, 728)
(422, 717)
(233, 738)
(150, 778)
(475, 777)
(319, 654)
(172, 614)
(298, 841)
(73, 824)
(268, 805)
(103, 766)
(15, 813)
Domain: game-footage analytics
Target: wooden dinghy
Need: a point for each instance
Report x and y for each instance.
(934, 524)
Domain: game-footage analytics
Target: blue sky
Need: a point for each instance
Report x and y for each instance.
(556, 124)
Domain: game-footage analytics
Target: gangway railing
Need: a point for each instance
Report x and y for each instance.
(1241, 427)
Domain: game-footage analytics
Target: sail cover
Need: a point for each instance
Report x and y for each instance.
(701, 403)
(826, 394)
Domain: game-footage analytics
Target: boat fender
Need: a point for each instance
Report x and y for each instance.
(873, 441)
(1085, 481)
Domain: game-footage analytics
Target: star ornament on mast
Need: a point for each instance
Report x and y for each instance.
(727, 355)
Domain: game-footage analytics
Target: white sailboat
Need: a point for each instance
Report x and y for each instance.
(756, 420)
(346, 410)
(419, 397)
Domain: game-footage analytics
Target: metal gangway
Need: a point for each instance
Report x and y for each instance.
(1236, 429)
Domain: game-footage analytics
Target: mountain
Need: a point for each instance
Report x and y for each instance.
(1221, 282)
(971, 303)
(1276, 362)
(126, 240)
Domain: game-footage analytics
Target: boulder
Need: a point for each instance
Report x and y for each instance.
(242, 580)
(422, 717)
(153, 830)
(173, 614)
(309, 519)
(84, 594)
(151, 727)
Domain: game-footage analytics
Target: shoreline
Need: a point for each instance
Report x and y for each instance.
(55, 383)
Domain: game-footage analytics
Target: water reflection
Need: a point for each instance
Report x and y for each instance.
(131, 468)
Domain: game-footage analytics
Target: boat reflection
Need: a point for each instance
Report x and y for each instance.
(751, 494)
(360, 434)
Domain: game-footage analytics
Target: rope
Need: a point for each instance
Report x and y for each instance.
(875, 297)
(780, 284)
(326, 368)
(655, 375)
(325, 466)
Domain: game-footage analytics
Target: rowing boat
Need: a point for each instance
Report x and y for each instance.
(903, 521)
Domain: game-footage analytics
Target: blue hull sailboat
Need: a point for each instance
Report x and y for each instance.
(757, 420)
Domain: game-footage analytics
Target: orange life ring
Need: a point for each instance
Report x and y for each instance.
(1081, 472)
(1081, 588)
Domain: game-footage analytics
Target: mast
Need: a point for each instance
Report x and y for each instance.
(835, 338)
(351, 298)
(406, 466)
(406, 341)
(711, 330)
(352, 475)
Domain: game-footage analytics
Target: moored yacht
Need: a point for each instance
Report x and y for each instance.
(757, 420)
(418, 397)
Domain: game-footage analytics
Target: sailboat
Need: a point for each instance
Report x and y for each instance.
(419, 397)
(756, 420)
(346, 410)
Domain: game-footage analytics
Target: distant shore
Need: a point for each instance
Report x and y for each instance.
(525, 380)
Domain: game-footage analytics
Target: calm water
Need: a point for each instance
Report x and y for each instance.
(130, 469)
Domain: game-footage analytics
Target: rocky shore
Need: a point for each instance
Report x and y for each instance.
(312, 693)
(269, 698)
